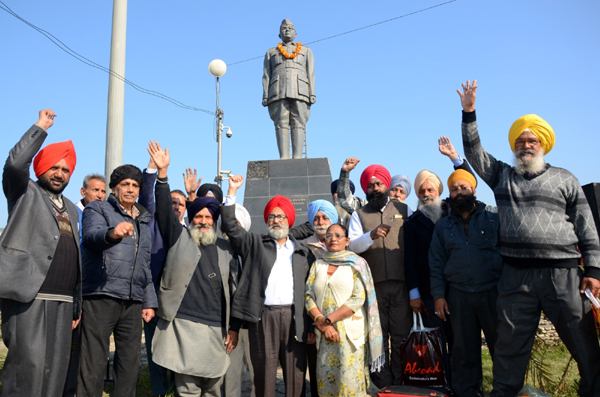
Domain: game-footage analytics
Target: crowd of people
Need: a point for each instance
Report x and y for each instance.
(334, 296)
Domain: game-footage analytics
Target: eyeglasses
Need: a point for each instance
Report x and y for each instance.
(339, 236)
(280, 218)
(530, 142)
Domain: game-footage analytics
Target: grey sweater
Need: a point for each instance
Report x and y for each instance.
(543, 220)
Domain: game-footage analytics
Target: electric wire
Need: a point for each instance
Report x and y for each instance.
(175, 102)
(357, 29)
(93, 64)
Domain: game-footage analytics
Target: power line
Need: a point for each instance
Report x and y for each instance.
(356, 30)
(93, 64)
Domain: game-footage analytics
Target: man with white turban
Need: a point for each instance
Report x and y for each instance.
(546, 227)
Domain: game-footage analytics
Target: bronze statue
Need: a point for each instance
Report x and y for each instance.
(289, 89)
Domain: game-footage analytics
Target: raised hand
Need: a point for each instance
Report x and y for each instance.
(189, 180)
(446, 147)
(235, 182)
(46, 118)
(350, 164)
(161, 157)
(123, 229)
(467, 97)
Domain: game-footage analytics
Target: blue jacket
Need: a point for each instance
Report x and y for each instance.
(119, 268)
(471, 266)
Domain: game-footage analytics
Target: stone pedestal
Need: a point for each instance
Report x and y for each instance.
(300, 180)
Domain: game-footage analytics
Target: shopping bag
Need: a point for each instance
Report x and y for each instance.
(595, 304)
(422, 359)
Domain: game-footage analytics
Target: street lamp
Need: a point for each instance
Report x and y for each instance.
(218, 68)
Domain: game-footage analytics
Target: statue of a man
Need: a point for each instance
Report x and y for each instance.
(289, 89)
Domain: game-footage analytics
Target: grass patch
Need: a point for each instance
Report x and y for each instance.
(561, 373)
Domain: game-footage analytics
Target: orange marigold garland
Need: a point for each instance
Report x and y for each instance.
(285, 53)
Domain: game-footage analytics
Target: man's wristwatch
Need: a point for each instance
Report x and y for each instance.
(327, 320)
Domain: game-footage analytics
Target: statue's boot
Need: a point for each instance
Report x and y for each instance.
(297, 142)
(283, 143)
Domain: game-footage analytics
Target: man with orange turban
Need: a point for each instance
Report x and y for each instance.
(546, 227)
(270, 293)
(40, 265)
(465, 265)
(376, 232)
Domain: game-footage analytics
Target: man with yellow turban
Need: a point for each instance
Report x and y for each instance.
(546, 228)
(40, 265)
(465, 265)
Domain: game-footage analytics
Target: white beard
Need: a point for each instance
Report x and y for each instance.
(432, 209)
(320, 231)
(398, 199)
(203, 238)
(278, 234)
(534, 166)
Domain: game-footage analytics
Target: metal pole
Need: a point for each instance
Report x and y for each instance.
(219, 114)
(116, 89)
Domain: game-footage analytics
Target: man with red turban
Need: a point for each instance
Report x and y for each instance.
(40, 265)
(270, 294)
(376, 232)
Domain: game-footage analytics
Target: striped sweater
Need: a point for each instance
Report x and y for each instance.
(544, 219)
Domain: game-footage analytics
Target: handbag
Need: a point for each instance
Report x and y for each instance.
(422, 359)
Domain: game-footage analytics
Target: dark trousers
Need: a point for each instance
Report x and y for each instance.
(311, 357)
(395, 316)
(523, 293)
(447, 336)
(273, 338)
(103, 315)
(38, 337)
(73, 373)
(159, 377)
(470, 313)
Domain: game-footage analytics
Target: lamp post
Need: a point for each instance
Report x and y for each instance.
(218, 68)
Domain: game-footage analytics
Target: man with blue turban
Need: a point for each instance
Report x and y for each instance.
(321, 215)
(194, 294)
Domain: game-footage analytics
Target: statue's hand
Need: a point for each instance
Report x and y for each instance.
(264, 102)
(313, 99)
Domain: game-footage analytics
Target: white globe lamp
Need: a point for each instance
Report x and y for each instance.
(217, 68)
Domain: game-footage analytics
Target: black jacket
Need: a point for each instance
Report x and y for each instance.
(258, 255)
(418, 231)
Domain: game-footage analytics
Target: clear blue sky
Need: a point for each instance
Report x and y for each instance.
(384, 94)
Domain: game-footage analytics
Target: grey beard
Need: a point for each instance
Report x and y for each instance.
(320, 231)
(534, 166)
(432, 209)
(398, 199)
(204, 239)
(278, 234)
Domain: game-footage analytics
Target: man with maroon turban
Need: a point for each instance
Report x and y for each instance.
(40, 265)
(270, 293)
(376, 232)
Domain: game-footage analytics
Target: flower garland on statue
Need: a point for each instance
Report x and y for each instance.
(285, 53)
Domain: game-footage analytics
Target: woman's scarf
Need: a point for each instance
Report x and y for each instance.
(375, 337)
